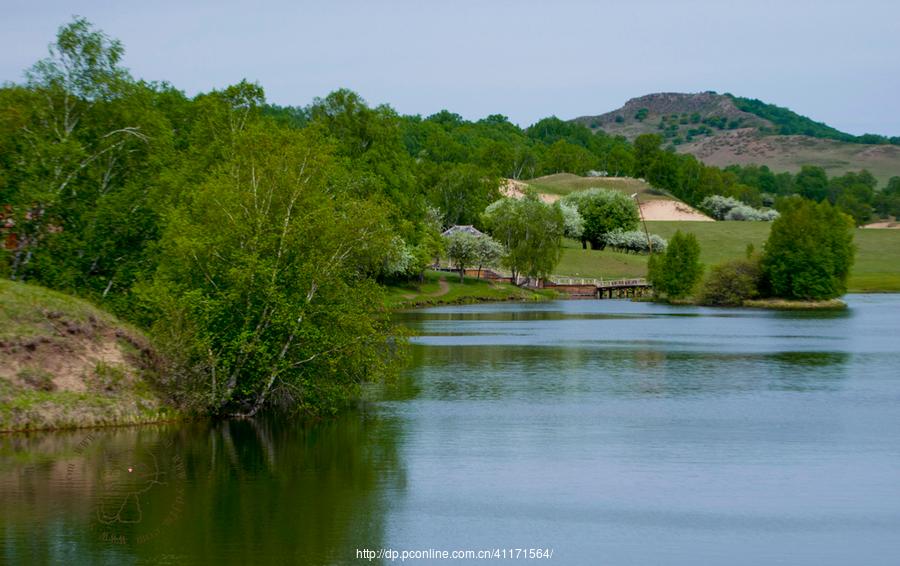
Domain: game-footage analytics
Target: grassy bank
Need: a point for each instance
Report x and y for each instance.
(785, 305)
(877, 266)
(65, 363)
(441, 288)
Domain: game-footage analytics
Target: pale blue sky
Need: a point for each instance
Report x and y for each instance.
(837, 62)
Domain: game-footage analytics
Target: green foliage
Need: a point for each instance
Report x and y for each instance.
(634, 241)
(463, 250)
(462, 193)
(728, 208)
(573, 222)
(253, 237)
(812, 183)
(489, 252)
(854, 194)
(732, 282)
(603, 211)
(809, 252)
(789, 122)
(676, 273)
(261, 284)
(887, 202)
(646, 150)
(86, 142)
(530, 231)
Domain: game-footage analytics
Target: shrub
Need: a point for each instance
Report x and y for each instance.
(733, 282)
(634, 241)
(729, 208)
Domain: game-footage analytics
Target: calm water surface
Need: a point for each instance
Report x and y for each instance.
(611, 432)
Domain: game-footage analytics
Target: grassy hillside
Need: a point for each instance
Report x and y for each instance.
(565, 183)
(877, 267)
(790, 153)
(65, 363)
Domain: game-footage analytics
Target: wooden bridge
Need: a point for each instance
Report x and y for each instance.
(573, 287)
(579, 288)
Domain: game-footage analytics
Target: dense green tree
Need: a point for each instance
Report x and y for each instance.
(887, 201)
(812, 183)
(603, 211)
(86, 143)
(372, 142)
(262, 281)
(531, 232)
(676, 273)
(854, 194)
(462, 192)
(646, 150)
(565, 157)
(809, 251)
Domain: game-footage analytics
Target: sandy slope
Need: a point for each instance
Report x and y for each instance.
(672, 210)
(658, 209)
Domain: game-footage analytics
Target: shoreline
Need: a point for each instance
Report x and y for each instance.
(788, 305)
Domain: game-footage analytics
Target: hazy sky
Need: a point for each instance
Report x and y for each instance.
(835, 61)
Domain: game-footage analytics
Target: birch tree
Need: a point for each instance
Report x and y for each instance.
(267, 263)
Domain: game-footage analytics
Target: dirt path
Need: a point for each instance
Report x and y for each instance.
(443, 289)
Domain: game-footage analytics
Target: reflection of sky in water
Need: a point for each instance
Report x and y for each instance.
(634, 433)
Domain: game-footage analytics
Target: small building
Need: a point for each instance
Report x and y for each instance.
(462, 228)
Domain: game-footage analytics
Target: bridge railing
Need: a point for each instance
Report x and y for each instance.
(600, 283)
(575, 281)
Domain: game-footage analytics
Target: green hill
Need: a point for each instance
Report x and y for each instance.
(723, 129)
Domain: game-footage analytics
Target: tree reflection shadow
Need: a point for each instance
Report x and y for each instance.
(235, 492)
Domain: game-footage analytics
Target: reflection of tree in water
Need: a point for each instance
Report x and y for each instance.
(256, 491)
(638, 369)
(125, 479)
(273, 490)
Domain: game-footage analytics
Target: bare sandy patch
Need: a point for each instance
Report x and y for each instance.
(889, 225)
(516, 189)
(672, 210)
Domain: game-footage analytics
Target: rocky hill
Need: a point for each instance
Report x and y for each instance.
(674, 115)
(722, 129)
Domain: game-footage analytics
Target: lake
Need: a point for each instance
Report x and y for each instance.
(607, 432)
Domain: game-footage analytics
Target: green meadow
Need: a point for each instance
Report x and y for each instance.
(876, 269)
